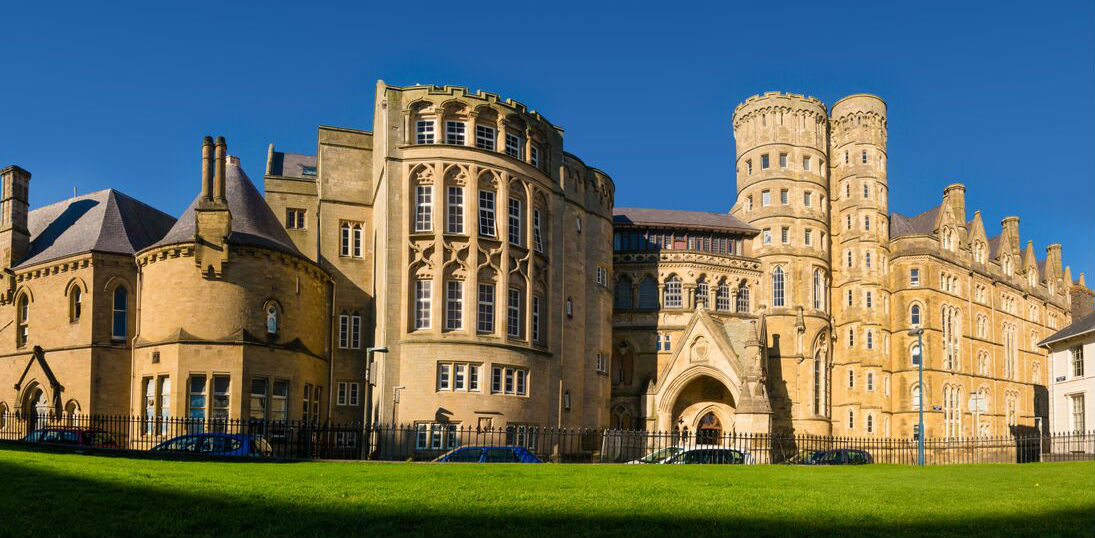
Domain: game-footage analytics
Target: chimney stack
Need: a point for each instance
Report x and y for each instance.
(14, 235)
(955, 196)
(218, 177)
(207, 168)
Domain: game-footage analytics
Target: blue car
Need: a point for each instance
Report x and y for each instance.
(217, 444)
(489, 454)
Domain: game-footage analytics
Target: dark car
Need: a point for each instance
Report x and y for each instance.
(489, 454)
(808, 457)
(844, 456)
(72, 437)
(217, 444)
(717, 456)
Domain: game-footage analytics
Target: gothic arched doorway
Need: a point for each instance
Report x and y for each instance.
(35, 407)
(708, 430)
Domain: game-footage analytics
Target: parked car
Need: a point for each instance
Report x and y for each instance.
(217, 444)
(658, 456)
(489, 454)
(664, 455)
(843, 456)
(72, 437)
(716, 455)
(807, 457)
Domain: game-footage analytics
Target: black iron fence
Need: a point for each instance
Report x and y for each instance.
(427, 441)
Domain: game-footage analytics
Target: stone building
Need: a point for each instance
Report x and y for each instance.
(499, 287)
(837, 281)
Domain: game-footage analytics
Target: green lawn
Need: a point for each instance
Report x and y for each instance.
(62, 494)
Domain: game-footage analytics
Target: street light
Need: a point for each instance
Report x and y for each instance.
(369, 372)
(919, 334)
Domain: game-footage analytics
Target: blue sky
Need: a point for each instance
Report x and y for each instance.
(999, 96)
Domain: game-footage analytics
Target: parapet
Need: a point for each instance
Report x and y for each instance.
(778, 99)
(859, 102)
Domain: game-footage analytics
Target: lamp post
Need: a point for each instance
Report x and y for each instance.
(369, 373)
(919, 334)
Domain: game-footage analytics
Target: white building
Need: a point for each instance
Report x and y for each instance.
(1072, 381)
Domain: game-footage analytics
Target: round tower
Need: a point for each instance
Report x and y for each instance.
(783, 190)
(860, 246)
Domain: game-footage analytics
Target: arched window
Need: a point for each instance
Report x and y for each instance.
(916, 396)
(851, 419)
(272, 321)
(703, 291)
(673, 292)
(870, 339)
(914, 352)
(819, 289)
(623, 297)
(819, 383)
(121, 303)
(75, 305)
(777, 287)
(722, 297)
(648, 294)
(22, 334)
(867, 259)
(743, 298)
(914, 315)
(870, 424)
(3, 416)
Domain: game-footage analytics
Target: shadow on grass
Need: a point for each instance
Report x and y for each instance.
(48, 502)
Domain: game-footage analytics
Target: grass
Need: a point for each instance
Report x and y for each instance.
(46, 494)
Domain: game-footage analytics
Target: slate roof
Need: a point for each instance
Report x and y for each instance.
(685, 219)
(103, 221)
(922, 224)
(1085, 325)
(995, 243)
(292, 165)
(253, 222)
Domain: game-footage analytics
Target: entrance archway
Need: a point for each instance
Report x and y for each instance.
(708, 429)
(35, 407)
(706, 408)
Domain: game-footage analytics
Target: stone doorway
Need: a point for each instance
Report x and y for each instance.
(708, 429)
(35, 407)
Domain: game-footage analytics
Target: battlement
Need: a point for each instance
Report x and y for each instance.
(483, 96)
(859, 102)
(805, 99)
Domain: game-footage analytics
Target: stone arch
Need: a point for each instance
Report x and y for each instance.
(273, 314)
(35, 405)
(75, 282)
(670, 391)
(114, 281)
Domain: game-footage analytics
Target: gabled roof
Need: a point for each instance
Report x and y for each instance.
(292, 165)
(103, 221)
(922, 224)
(253, 222)
(635, 216)
(1085, 325)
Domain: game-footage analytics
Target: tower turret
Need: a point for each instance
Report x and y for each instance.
(860, 227)
(782, 166)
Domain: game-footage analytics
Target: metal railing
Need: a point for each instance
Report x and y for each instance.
(427, 441)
